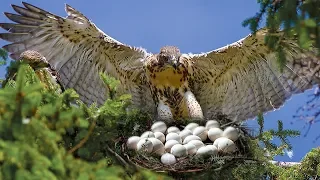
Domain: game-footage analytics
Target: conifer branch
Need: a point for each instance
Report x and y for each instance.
(120, 159)
(85, 139)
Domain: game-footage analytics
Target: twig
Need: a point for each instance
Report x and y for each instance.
(118, 156)
(84, 140)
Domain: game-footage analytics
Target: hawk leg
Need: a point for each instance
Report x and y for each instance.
(194, 108)
(164, 112)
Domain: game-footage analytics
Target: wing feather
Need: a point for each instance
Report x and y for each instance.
(17, 28)
(77, 49)
(243, 79)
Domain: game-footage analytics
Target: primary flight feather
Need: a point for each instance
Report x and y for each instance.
(240, 80)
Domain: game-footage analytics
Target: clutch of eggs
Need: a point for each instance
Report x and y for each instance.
(171, 143)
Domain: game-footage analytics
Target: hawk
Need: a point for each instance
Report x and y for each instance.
(239, 80)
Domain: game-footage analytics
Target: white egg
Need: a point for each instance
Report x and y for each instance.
(191, 148)
(147, 134)
(214, 133)
(226, 145)
(173, 136)
(158, 147)
(201, 132)
(169, 145)
(191, 126)
(216, 142)
(184, 133)
(159, 126)
(212, 124)
(160, 136)
(173, 129)
(179, 150)
(197, 143)
(168, 159)
(231, 133)
(213, 148)
(204, 151)
(191, 137)
(132, 142)
(145, 145)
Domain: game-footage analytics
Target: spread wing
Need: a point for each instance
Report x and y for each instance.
(77, 49)
(243, 79)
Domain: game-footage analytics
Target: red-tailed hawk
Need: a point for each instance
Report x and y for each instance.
(239, 80)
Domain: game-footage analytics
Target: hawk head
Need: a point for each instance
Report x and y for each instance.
(169, 55)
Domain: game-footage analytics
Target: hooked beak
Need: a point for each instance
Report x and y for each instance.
(175, 62)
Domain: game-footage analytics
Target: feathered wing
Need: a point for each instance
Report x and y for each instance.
(243, 79)
(77, 49)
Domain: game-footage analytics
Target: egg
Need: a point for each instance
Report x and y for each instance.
(191, 148)
(212, 124)
(191, 137)
(145, 145)
(160, 136)
(132, 142)
(173, 129)
(173, 136)
(191, 126)
(169, 145)
(158, 147)
(201, 131)
(215, 143)
(231, 133)
(226, 145)
(214, 133)
(178, 150)
(168, 159)
(205, 150)
(197, 143)
(159, 126)
(147, 134)
(213, 148)
(184, 133)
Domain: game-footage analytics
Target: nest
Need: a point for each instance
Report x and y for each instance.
(192, 164)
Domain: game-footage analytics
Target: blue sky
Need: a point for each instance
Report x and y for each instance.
(193, 26)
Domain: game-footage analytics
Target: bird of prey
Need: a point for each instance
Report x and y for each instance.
(239, 80)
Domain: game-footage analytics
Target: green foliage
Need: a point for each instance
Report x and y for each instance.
(267, 136)
(36, 128)
(3, 57)
(298, 19)
(308, 169)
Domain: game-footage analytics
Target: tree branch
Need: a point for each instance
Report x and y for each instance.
(84, 140)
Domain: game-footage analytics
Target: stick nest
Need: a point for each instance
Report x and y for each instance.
(192, 164)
